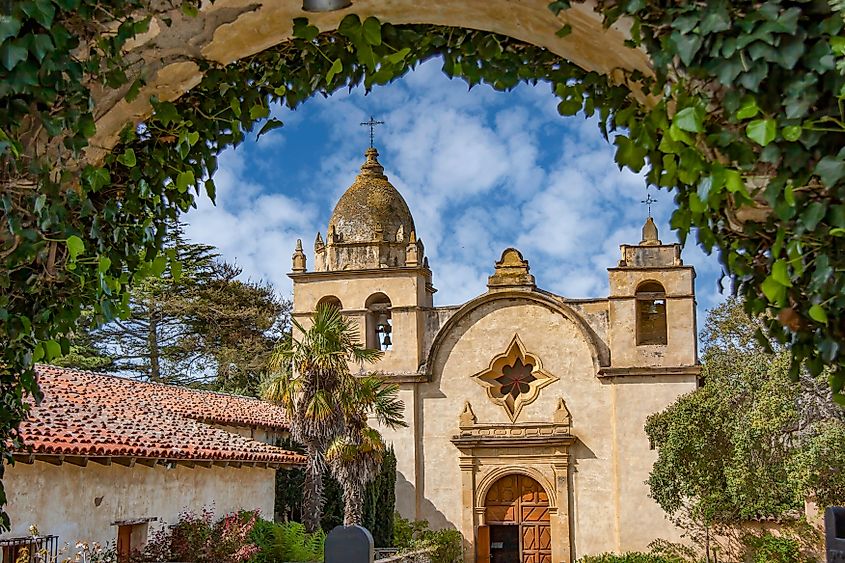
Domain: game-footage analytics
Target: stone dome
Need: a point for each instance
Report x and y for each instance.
(371, 204)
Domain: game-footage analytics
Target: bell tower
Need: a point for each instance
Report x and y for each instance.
(652, 306)
(373, 267)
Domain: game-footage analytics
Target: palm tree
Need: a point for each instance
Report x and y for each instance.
(311, 374)
(356, 455)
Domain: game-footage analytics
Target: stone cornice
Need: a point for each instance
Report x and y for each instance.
(393, 271)
(648, 268)
(522, 435)
(652, 371)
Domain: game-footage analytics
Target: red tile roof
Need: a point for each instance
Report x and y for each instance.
(97, 415)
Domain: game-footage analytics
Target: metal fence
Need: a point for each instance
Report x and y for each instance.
(32, 549)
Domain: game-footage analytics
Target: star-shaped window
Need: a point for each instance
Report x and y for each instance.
(514, 379)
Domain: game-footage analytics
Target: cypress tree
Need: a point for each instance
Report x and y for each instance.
(380, 502)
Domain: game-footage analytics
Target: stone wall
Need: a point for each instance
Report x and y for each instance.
(420, 556)
(81, 503)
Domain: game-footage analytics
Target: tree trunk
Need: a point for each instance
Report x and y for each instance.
(152, 342)
(312, 494)
(353, 503)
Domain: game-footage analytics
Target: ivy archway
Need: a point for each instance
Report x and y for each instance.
(740, 114)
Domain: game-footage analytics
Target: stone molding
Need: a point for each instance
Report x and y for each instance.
(490, 377)
(611, 372)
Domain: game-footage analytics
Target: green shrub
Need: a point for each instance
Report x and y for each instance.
(413, 535)
(286, 542)
(631, 557)
(768, 548)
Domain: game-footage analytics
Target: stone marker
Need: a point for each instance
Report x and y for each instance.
(834, 527)
(349, 544)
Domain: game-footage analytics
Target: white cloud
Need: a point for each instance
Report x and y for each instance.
(480, 170)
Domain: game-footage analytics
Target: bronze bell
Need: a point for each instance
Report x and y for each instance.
(324, 5)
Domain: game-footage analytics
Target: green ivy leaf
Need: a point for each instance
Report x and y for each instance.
(175, 269)
(734, 182)
(40, 46)
(75, 246)
(211, 189)
(303, 30)
(127, 158)
(762, 131)
(818, 314)
(9, 27)
(159, 265)
(564, 31)
(38, 352)
(773, 291)
(792, 133)
(12, 54)
(628, 153)
(184, 179)
(812, 215)
(690, 119)
(686, 45)
(559, 5)
(830, 170)
(337, 67)
(398, 56)
(42, 11)
(258, 111)
(748, 109)
(103, 264)
(271, 124)
(167, 113)
(52, 350)
(371, 31)
(780, 273)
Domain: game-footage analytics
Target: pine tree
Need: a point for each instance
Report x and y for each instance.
(194, 324)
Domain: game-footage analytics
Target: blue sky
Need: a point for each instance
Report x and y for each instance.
(481, 170)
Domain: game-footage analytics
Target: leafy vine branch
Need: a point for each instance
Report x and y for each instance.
(744, 124)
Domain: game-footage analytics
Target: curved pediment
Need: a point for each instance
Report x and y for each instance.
(599, 351)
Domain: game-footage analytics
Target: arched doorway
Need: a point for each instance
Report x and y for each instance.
(516, 513)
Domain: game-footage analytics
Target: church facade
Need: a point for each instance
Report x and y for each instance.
(525, 409)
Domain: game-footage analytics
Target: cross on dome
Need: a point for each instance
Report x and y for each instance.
(371, 123)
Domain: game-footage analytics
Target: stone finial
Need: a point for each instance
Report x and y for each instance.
(371, 166)
(650, 234)
(467, 417)
(318, 242)
(562, 415)
(413, 251)
(298, 257)
(511, 271)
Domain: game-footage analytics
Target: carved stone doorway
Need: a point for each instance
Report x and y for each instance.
(519, 501)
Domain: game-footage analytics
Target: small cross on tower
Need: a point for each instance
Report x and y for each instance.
(372, 125)
(649, 201)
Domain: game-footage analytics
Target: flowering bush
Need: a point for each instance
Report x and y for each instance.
(198, 538)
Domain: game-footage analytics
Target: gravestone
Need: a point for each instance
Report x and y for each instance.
(349, 544)
(834, 528)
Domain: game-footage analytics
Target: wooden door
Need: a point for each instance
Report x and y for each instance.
(522, 501)
(482, 545)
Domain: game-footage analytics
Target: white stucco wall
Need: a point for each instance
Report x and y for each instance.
(61, 499)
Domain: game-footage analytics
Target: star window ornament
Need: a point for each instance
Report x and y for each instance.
(514, 379)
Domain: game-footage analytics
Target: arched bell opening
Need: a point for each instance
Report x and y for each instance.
(379, 322)
(329, 301)
(651, 314)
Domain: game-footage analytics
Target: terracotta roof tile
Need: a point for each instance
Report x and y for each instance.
(97, 415)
